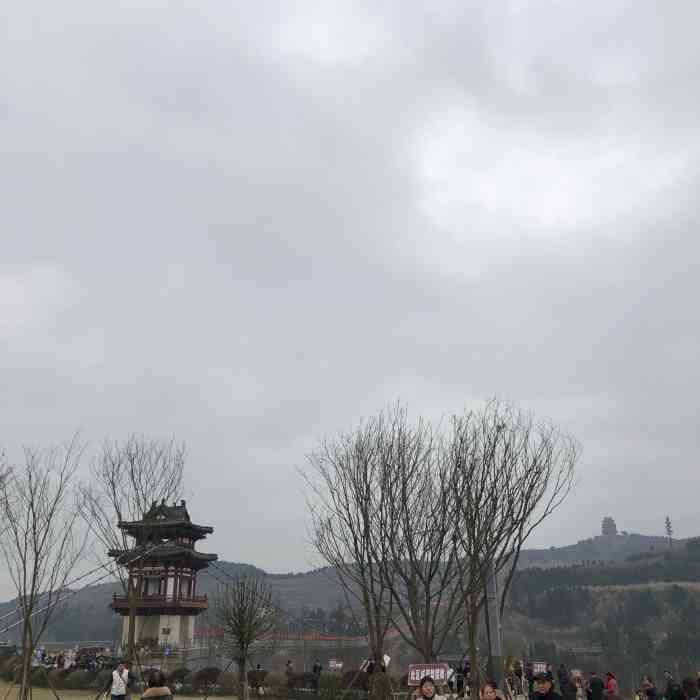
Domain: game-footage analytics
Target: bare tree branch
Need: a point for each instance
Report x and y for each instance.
(345, 505)
(246, 613)
(40, 542)
(125, 481)
(508, 474)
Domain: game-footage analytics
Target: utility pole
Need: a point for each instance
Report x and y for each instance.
(303, 638)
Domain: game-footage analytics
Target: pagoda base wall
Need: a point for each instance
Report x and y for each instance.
(171, 630)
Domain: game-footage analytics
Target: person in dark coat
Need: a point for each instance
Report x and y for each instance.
(596, 687)
(568, 688)
(544, 687)
(690, 688)
(649, 688)
(675, 692)
(562, 677)
(668, 680)
(157, 690)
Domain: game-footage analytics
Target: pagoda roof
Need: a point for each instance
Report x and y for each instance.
(161, 516)
(164, 552)
(161, 511)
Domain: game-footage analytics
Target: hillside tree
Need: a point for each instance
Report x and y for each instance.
(669, 530)
(608, 527)
(40, 540)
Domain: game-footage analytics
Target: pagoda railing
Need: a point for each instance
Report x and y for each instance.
(192, 601)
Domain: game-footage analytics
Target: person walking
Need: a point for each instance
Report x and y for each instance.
(120, 682)
(157, 689)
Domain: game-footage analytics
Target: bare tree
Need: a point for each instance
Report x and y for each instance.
(417, 554)
(508, 474)
(382, 516)
(346, 507)
(415, 519)
(125, 481)
(246, 613)
(40, 539)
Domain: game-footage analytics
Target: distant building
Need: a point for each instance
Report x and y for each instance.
(608, 527)
(162, 566)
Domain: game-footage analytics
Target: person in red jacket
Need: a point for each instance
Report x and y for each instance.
(611, 687)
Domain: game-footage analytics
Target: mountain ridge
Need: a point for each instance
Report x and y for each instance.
(87, 616)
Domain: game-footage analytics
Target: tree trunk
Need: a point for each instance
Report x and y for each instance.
(27, 651)
(472, 626)
(131, 643)
(380, 686)
(242, 678)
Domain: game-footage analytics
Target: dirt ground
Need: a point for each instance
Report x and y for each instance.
(46, 694)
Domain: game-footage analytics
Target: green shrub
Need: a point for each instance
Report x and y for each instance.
(103, 679)
(330, 682)
(11, 669)
(178, 675)
(356, 680)
(257, 678)
(205, 677)
(80, 680)
(38, 678)
(276, 684)
(276, 679)
(58, 678)
(228, 682)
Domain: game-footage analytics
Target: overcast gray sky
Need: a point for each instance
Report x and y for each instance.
(250, 224)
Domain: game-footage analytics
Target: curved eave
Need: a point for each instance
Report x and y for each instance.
(197, 560)
(137, 526)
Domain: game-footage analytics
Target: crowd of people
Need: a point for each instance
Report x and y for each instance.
(88, 659)
(573, 685)
(570, 685)
(687, 689)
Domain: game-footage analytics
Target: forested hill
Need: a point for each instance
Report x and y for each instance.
(87, 616)
(607, 548)
(535, 585)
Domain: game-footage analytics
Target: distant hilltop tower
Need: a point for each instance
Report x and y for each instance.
(163, 566)
(608, 527)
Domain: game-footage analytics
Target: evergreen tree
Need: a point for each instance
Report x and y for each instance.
(669, 531)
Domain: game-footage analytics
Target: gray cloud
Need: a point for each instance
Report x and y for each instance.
(251, 226)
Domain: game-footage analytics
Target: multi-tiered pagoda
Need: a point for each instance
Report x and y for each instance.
(163, 566)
